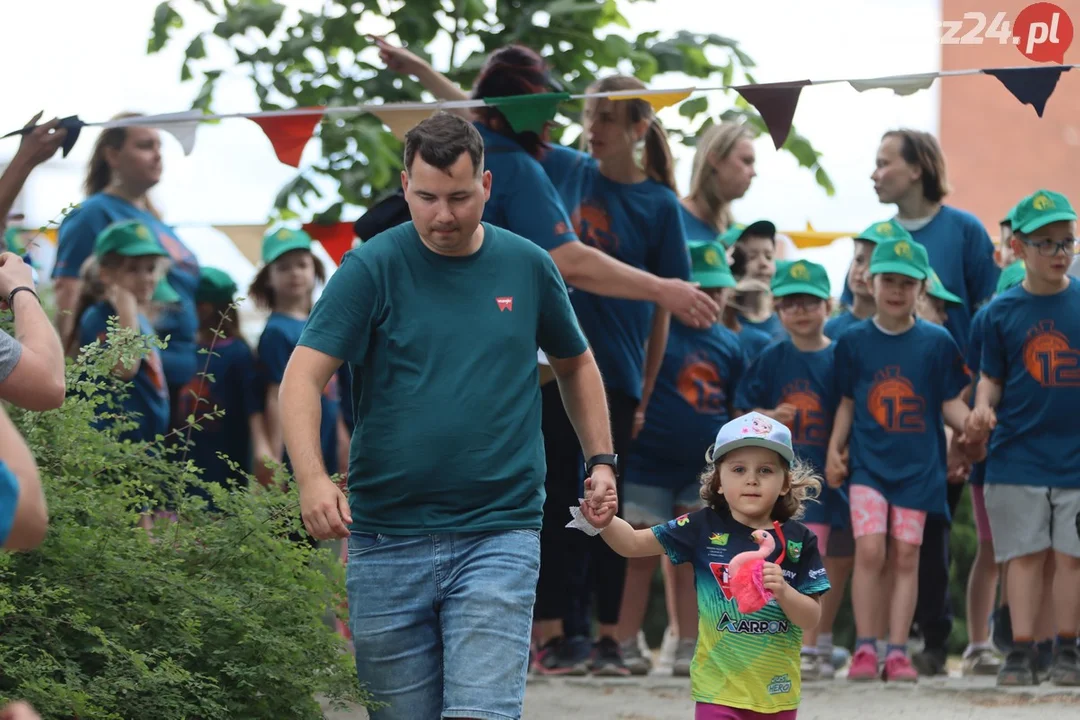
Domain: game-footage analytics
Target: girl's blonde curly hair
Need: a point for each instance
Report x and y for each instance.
(803, 485)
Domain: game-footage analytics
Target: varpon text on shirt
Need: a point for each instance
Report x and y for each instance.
(743, 661)
(639, 224)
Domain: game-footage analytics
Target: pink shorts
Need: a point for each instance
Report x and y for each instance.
(708, 711)
(982, 520)
(871, 515)
(821, 531)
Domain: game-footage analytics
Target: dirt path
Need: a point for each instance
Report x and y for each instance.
(666, 698)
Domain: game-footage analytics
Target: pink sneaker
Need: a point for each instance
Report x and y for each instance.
(864, 665)
(898, 668)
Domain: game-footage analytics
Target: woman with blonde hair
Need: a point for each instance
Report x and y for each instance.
(722, 172)
(124, 167)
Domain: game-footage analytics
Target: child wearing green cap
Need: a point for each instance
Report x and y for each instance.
(228, 382)
(285, 285)
(858, 278)
(792, 382)
(754, 259)
(119, 280)
(933, 303)
(901, 380)
(1029, 384)
(691, 397)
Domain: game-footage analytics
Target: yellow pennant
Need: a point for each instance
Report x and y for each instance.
(659, 101)
(401, 121)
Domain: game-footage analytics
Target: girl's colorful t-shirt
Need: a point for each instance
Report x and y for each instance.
(898, 384)
(691, 400)
(75, 243)
(743, 661)
(276, 345)
(783, 374)
(229, 383)
(148, 396)
(639, 224)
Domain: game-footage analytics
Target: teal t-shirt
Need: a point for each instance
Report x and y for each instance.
(446, 387)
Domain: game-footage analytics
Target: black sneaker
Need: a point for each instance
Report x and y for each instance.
(1044, 658)
(1001, 636)
(556, 657)
(1065, 670)
(930, 662)
(1019, 669)
(607, 659)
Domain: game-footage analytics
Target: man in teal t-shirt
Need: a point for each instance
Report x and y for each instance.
(440, 320)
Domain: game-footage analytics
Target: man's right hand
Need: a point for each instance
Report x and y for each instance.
(325, 509)
(688, 303)
(14, 272)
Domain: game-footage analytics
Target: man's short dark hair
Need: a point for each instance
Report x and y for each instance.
(441, 139)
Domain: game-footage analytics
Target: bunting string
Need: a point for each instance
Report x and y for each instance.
(289, 130)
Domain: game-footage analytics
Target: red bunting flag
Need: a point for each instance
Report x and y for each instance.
(775, 102)
(336, 239)
(290, 133)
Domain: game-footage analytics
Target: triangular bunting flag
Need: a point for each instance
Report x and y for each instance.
(661, 100)
(72, 124)
(901, 84)
(336, 239)
(290, 133)
(182, 126)
(529, 112)
(776, 103)
(1031, 85)
(401, 121)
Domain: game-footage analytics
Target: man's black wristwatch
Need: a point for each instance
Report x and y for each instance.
(612, 460)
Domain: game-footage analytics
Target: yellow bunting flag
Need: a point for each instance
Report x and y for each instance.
(659, 101)
(401, 121)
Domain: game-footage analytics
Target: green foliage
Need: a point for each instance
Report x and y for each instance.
(213, 615)
(310, 59)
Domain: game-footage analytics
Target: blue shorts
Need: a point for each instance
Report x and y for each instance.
(647, 505)
(441, 623)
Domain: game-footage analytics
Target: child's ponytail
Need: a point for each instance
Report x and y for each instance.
(658, 163)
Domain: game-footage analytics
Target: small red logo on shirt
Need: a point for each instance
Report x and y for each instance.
(723, 578)
(505, 303)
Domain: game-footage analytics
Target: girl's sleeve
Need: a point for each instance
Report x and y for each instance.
(679, 537)
(810, 576)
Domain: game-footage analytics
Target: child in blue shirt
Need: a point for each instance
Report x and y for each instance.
(858, 278)
(691, 397)
(900, 380)
(229, 382)
(119, 281)
(792, 382)
(285, 286)
(1028, 386)
(746, 666)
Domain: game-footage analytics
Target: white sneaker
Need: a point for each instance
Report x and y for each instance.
(666, 660)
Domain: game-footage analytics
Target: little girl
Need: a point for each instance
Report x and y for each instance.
(285, 286)
(228, 382)
(119, 280)
(745, 666)
(900, 381)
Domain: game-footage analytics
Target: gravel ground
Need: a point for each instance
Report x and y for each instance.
(666, 698)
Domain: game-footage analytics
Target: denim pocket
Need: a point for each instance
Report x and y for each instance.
(360, 542)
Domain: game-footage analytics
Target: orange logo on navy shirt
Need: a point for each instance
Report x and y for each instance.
(894, 403)
(700, 384)
(1049, 358)
(505, 303)
(594, 227)
(810, 424)
(723, 578)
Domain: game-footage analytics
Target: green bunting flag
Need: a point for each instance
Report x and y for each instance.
(527, 113)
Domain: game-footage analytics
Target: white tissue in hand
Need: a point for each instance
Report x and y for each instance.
(579, 522)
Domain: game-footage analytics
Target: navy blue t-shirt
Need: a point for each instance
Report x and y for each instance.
(770, 327)
(148, 395)
(835, 326)
(898, 384)
(639, 224)
(690, 402)
(753, 341)
(276, 345)
(785, 374)
(696, 230)
(962, 255)
(1028, 346)
(231, 383)
(75, 243)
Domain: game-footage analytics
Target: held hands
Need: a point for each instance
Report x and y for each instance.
(836, 467)
(325, 509)
(14, 272)
(980, 422)
(601, 499)
(773, 579)
(689, 304)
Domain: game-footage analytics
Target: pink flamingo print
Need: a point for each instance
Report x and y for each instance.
(745, 571)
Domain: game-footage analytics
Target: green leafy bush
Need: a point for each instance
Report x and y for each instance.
(214, 615)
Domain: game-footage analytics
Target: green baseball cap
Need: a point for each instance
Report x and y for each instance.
(802, 277)
(885, 231)
(709, 267)
(1011, 276)
(903, 257)
(215, 287)
(1040, 209)
(937, 289)
(283, 240)
(735, 233)
(129, 238)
